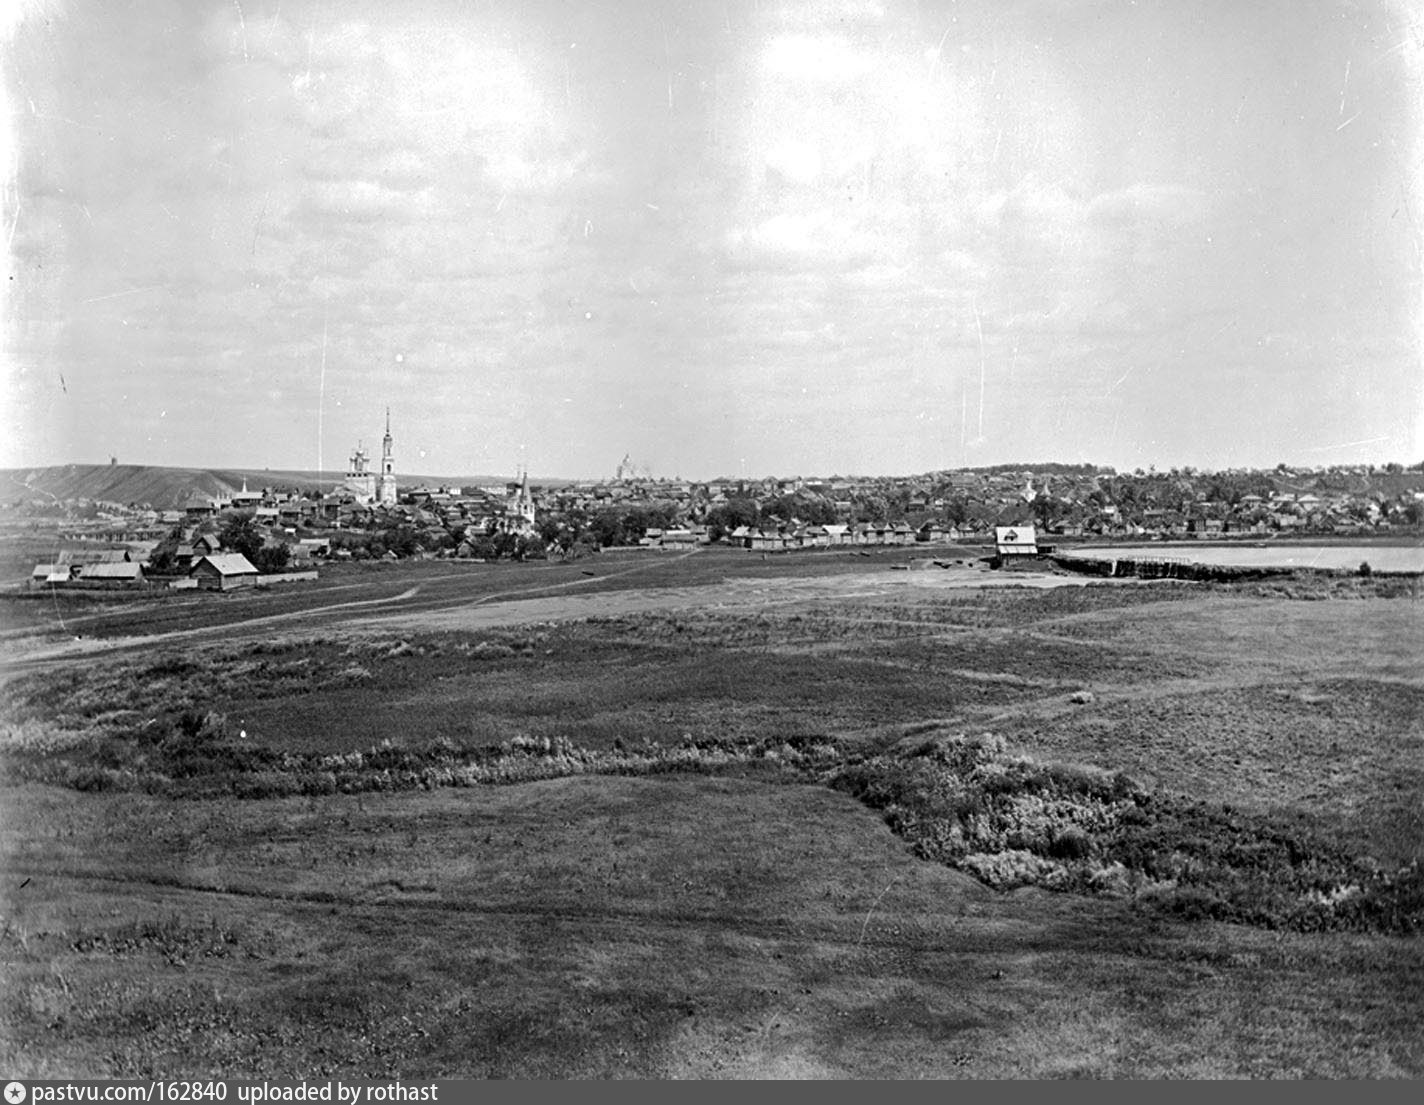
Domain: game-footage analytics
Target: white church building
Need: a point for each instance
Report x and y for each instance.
(367, 486)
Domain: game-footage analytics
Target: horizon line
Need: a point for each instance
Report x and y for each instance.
(337, 475)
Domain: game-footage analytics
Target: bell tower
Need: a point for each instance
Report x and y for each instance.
(386, 479)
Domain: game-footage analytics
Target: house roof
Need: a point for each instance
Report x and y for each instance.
(228, 564)
(92, 556)
(1015, 537)
(117, 570)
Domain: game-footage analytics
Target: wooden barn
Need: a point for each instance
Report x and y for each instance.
(1010, 541)
(223, 572)
(117, 574)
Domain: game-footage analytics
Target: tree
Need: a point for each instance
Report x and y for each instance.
(401, 539)
(733, 513)
(553, 531)
(872, 507)
(240, 534)
(1047, 510)
(163, 559)
(639, 519)
(607, 526)
(271, 559)
(811, 509)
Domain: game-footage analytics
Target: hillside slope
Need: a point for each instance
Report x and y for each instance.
(163, 488)
(159, 488)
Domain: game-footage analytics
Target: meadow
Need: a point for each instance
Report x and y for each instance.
(1115, 830)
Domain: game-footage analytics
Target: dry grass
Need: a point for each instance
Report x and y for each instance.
(743, 922)
(631, 927)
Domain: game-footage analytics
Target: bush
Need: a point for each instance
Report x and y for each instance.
(1190, 903)
(266, 784)
(92, 779)
(1071, 843)
(1008, 869)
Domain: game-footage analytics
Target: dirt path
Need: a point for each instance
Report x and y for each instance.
(728, 596)
(424, 607)
(325, 618)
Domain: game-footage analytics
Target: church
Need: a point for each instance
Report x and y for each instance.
(373, 487)
(519, 511)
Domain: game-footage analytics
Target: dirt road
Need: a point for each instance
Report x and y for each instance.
(443, 604)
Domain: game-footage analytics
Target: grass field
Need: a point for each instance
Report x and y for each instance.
(797, 823)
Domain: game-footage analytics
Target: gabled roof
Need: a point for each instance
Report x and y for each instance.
(227, 564)
(1015, 537)
(92, 556)
(115, 570)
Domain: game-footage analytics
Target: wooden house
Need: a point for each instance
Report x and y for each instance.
(1010, 541)
(223, 572)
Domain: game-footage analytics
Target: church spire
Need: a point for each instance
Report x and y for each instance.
(386, 481)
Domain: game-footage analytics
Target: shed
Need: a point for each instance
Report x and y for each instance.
(117, 574)
(200, 506)
(206, 544)
(1015, 541)
(49, 573)
(223, 572)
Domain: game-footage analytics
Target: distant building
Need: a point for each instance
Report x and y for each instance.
(48, 574)
(366, 486)
(386, 481)
(519, 513)
(360, 481)
(205, 544)
(200, 506)
(113, 574)
(1015, 541)
(224, 572)
(245, 499)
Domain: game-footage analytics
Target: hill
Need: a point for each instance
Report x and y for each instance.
(164, 488)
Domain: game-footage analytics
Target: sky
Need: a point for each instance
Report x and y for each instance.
(718, 237)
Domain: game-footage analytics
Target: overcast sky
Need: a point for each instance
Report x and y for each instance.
(740, 237)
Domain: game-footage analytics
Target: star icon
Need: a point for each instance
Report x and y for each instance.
(15, 1093)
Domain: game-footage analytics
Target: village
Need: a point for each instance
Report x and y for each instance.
(280, 534)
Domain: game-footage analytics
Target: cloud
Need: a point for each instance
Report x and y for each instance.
(820, 58)
(1041, 208)
(460, 99)
(820, 14)
(394, 167)
(1144, 203)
